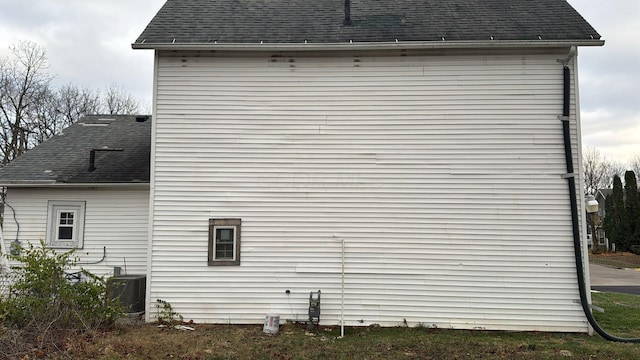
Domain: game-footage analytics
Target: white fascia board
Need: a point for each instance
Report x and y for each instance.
(493, 44)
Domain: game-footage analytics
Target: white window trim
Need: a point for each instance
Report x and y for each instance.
(54, 209)
(215, 241)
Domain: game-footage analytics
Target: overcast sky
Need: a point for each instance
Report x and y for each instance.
(88, 43)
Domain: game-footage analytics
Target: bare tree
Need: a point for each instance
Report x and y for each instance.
(74, 102)
(613, 168)
(61, 108)
(634, 165)
(117, 101)
(23, 83)
(31, 111)
(596, 170)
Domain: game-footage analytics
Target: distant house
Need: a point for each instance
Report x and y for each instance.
(87, 188)
(601, 196)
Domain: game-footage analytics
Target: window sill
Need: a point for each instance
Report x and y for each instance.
(224, 263)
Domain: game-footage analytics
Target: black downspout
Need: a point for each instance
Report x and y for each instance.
(577, 244)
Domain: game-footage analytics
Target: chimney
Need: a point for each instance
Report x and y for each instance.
(92, 156)
(347, 12)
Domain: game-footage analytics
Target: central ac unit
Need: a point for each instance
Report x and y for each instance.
(130, 290)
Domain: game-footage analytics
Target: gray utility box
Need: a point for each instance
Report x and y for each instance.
(132, 291)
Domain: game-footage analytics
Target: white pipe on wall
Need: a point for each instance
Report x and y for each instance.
(4, 265)
(341, 287)
(342, 296)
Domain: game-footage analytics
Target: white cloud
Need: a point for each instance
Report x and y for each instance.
(617, 142)
(610, 77)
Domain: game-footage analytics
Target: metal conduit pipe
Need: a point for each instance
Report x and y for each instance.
(577, 244)
(4, 262)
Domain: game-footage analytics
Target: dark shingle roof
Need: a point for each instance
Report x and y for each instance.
(321, 21)
(65, 158)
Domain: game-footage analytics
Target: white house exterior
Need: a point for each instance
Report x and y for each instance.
(406, 160)
(420, 182)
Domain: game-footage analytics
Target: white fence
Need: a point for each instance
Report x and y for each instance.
(7, 279)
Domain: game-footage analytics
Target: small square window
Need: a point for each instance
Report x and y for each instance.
(224, 242)
(65, 224)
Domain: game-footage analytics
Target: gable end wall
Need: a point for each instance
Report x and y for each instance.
(441, 172)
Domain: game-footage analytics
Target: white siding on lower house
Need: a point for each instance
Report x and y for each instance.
(443, 174)
(116, 224)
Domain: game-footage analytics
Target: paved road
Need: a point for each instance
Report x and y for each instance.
(605, 278)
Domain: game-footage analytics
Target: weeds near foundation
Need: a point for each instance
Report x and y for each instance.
(167, 315)
(42, 309)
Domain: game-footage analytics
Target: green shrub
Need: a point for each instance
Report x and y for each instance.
(44, 306)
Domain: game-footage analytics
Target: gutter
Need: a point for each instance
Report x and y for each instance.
(53, 183)
(444, 44)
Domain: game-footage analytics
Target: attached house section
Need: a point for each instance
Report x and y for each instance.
(441, 173)
(86, 188)
(107, 226)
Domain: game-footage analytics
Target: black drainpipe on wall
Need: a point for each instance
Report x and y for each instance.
(577, 244)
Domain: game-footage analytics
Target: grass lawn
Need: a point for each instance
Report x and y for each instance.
(618, 259)
(621, 317)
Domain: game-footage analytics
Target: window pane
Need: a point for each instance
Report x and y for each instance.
(224, 251)
(66, 218)
(224, 235)
(65, 233)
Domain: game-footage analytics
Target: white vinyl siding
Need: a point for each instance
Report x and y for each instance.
(443, 174)
(115, 224)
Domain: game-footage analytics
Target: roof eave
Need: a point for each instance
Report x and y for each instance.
(369, 45)
(53, 183)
